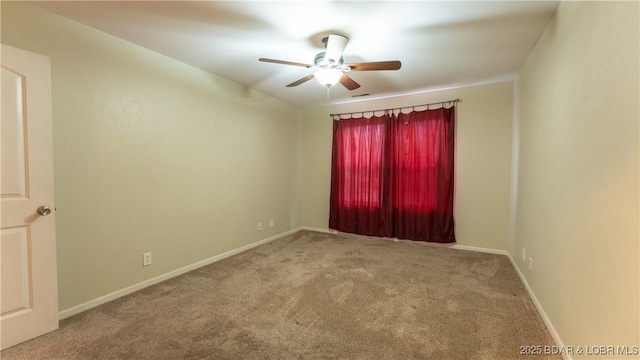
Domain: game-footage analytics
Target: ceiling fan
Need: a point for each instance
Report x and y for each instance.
(330, 68)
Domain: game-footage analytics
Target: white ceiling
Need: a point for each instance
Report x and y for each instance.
(440, 43)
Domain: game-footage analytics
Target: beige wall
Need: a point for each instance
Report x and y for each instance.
(153, 155)
(577, 213)
(483, 160)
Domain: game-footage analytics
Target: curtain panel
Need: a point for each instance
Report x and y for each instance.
(393, 175)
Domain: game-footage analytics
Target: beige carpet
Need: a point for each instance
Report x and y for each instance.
(314, 296)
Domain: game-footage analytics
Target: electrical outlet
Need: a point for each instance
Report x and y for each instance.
(271, 223)
(146, 259)
(523, 256)
(259, 226)
(530, 263)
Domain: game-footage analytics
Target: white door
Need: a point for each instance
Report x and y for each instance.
(28, 276)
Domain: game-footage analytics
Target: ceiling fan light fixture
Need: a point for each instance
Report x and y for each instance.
(328, 77)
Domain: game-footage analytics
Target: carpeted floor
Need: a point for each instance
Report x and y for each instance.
(314, 296)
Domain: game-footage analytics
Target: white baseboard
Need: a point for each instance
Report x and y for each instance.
(320, 230)
(543, 314)
(133, 288)
(450, 246)
(479, 249)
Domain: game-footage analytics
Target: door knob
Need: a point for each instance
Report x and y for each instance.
(44, 210)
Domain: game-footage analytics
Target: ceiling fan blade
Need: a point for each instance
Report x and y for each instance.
(335, 47)
(377, 65)
(300, 81)
(284, 62)
(348, 82)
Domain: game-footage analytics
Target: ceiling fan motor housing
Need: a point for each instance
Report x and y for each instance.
(321, 60)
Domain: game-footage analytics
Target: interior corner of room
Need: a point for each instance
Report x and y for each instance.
(153, 155)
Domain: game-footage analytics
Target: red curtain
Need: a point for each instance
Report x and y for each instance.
(392, 176)
(357, 175)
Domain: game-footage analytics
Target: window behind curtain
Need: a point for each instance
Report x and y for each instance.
(392, 176)
(360, 173)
